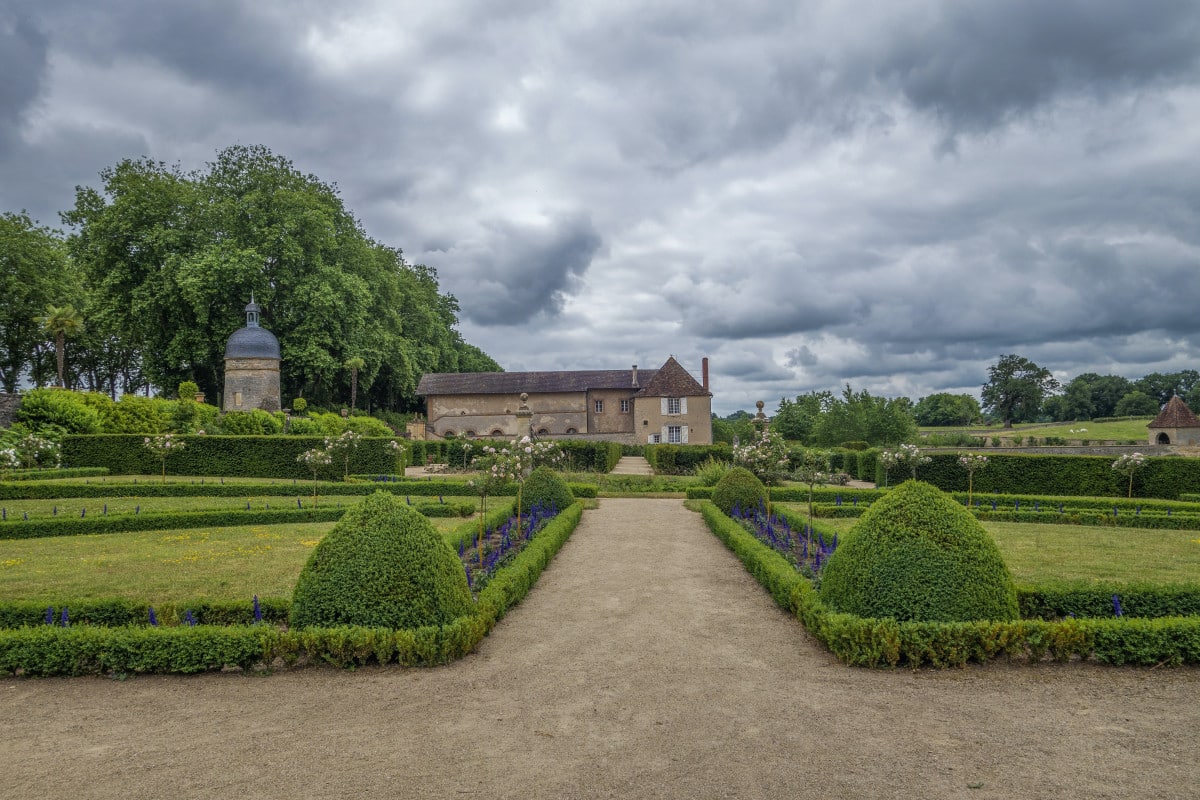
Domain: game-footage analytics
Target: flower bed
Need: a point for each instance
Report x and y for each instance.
(97, 648)
(867, 642)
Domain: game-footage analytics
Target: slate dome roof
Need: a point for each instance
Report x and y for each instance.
(252, 341)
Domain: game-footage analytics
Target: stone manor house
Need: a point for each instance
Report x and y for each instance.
(665, 405)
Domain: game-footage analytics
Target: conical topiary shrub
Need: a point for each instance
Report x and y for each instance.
(544, 487)
(918, 555)
(739, 488)
(382, 565)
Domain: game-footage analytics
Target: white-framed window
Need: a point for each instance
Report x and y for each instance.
(599, 406)
(626, 406)
(674, 405)
(674, 434)
(655, 438)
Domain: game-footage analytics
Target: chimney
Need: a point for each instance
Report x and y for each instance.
(704, 373)
(635, 383)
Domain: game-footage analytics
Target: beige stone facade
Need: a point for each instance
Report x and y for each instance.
(664, 405)
(251, 383)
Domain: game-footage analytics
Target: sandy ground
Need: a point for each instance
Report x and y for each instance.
(646, 663)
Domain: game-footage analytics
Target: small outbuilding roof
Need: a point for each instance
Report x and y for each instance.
(1175, 414)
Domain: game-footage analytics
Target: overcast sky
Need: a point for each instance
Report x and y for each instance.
(810, 193)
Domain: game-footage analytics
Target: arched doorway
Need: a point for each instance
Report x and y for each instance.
(1163, 439)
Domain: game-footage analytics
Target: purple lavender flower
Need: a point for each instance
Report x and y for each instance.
(189, 618)
(1117, 605)
(49, 615)
(257, 610)
(65, 619)
(153, 617)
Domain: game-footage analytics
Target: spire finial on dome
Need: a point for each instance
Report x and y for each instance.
(252, 311)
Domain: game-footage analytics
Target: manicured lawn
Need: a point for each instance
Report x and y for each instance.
(208, 563)
(1123, 429)
(227, 563)
(1048, 553)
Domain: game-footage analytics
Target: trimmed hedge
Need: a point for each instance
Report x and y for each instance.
(1079, 599)
(127, 523)
(1163, 477)
(546, 488)
(682, 459)
(382, 565)
(115, 612)
(51, 474)
(799, 494)
(87, 650)
(868, 642)
(231, 456)
(582, 456)
(739, 489)
(152, 488)
(918, 555)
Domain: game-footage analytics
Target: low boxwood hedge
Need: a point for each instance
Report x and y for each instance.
(212, 487)
(52, 474)
(682, 459)
(126, 523)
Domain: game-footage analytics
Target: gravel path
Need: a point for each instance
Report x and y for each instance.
(646, 663)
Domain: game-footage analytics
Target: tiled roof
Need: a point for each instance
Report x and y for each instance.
(672, 380)
(1175, 414)
(533, 382)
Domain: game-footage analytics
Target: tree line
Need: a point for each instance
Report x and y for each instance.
(158, 265)
(1017, 390)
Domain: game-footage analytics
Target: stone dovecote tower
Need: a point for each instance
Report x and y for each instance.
(252, 366)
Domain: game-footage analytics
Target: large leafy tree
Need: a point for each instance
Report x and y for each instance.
(1016, 388)
(946, 409)
(1137, 404)
(173, 257)
(795, 420)
(34, 273)
(859, 416)
(1162, 386)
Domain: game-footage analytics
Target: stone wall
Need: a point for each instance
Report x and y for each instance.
(251, 383)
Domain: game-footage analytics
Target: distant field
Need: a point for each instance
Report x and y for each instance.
(1072, 431)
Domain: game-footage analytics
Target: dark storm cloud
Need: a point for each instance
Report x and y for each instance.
(22, 64)
(251, 51)
(975, 65)
(523, 271)
(811, 193)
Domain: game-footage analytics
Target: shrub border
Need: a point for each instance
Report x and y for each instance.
(88, 650)
(185, 520)
(860, 641)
